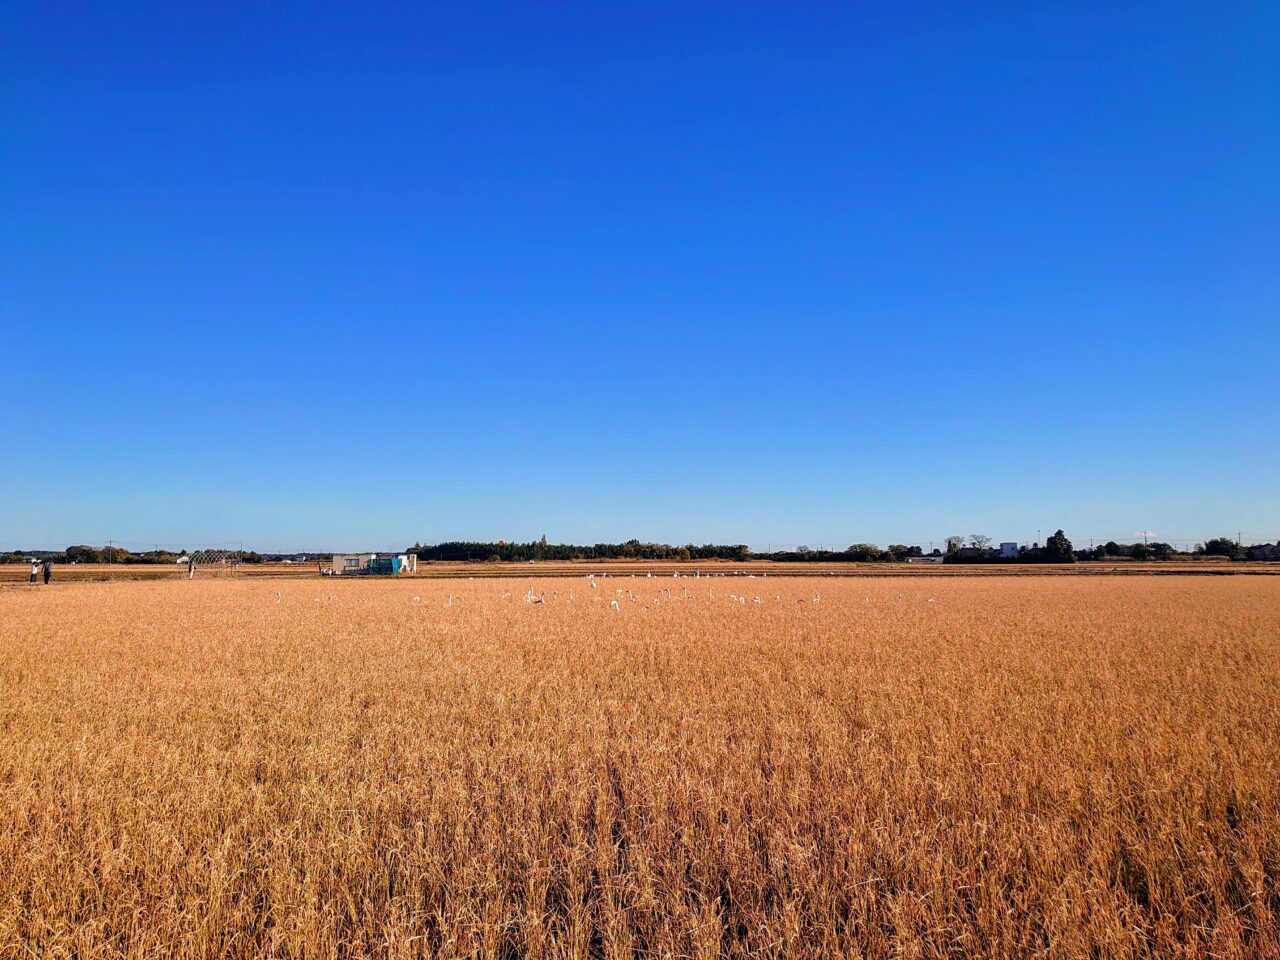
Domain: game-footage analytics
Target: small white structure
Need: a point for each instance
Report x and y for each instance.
(1008, 551)
(183, 559)
(924, 559)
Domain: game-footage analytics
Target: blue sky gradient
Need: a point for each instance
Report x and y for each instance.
(331, 275)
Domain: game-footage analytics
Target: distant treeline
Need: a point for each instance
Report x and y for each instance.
(502, 552)
(460, 551)
(974, 549)
(83, 553)
(857, 553)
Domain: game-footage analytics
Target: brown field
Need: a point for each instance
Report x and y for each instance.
(80, 572)
(949, 766)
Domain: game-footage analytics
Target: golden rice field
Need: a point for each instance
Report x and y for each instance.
(919, 767)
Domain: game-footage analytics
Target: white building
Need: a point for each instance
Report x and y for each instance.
(408, 562)
(924, 559)
(1008, 551)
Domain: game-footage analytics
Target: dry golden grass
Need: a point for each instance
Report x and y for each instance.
(1059, 767)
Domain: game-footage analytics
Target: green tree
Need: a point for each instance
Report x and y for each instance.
(1057, 549)
(82, 553)
(1221, 547)
(864, 551)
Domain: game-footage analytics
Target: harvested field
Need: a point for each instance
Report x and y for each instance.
(909, 767)
(82, 572)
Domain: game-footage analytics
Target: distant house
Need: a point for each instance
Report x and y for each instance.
(1008, 551)
(925, 559)
(1264, 551)
(182, 559)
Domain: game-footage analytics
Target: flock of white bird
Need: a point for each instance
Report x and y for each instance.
(626, 595)
(621, 594)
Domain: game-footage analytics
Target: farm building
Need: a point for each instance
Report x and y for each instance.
(374, 564)
(351, 562)
(1008, 551)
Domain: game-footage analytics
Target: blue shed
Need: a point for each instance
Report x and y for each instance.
(383, 566)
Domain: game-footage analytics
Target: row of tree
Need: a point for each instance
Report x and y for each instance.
(974, 548)
(1058, 546)
(1158, 550)
(1155, 550)
(855, 553)
(83, 553)
(503, 552)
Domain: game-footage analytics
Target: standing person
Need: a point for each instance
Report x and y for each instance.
(48, 569)
(35, 570)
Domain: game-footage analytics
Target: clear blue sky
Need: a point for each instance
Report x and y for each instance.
(314, 274)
